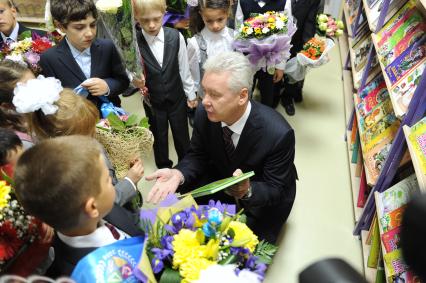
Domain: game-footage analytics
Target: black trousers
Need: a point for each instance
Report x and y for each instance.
(159, 119)
(268, 89)
(291, 92)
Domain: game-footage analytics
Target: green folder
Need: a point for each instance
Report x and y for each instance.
(217, 186)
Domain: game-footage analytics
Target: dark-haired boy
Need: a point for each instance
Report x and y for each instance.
(65, 183)
(80, 56)
(11, 149)
(10, 29)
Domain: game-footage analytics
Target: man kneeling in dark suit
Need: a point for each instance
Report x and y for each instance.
(232, 134)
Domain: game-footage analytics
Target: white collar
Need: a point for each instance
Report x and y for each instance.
(75, 52)
(102, 236)
(238, 126)
(13, 35)
(209, 34)
(151, 38)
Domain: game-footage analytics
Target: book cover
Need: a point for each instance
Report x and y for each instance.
(364, 190)
(393, 219)
(217, 186)
(361, 52)
(405, 277)
(355, 151)
(403, 90)
(399, 18)
(381, 111)
(412, 56)
(371, 99)
(388, 134)
(394, 263)
(391, 239)
(397, 195)
(417, 138)
(376, 129)
(375, 159)
(354, 132)
(368, 88)
(373, 256)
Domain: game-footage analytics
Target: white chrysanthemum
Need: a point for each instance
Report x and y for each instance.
(265, 30)
(226, 273)
(249, 31)
(15, 57)
(109, 6)
(279, 24)
(35, 94)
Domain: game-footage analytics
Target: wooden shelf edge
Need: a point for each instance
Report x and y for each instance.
(421, 178)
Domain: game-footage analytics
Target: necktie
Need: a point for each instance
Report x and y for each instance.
(114, 231)
(9, 41)
(229, 145)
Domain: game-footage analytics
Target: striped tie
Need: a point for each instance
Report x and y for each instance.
(229, 145)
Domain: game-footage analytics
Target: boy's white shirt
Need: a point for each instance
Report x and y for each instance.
(216, 44)
(239, 19)
(13, 35)
(102, 236)
(156, 44)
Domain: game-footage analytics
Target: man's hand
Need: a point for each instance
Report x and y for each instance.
(136, 171)
(192, 103)
(167, 183)
(96, 86)
(139, 82)
(278, 75)
(240, 189)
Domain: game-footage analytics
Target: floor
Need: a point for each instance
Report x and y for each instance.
(321, 222)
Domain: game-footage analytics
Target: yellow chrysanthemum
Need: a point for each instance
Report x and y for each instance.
(4, 194)
(271, 26)
(186, 247)
(258, 31)
(271, 20)
(190, 270)
(244, 234)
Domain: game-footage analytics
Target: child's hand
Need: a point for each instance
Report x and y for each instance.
(96, 86)
(136, 171)
(46, 233)
(278, 75)
(182, 24)
(192, 103)
(139, 82)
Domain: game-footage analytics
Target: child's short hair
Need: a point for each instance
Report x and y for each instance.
(8, 141)
(55, 178)
(10, 73)
(146, 6)
(66, 11)
(75, 116)
(8, 3)
(196, 23)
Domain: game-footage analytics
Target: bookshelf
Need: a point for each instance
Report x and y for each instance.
(376, 17)
(421, 177)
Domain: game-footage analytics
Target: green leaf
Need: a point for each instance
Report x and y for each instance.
(144, 123)
(265, 251)
(115, 122)
(25, 34)
(229, 260)
(231, 233)
(132, 120)
(243, 218)
(7, 178)
(170, 276)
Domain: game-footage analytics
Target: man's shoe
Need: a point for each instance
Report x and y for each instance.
(130, 91)
(289, 109)
(298, 98)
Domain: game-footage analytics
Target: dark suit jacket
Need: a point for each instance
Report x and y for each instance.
(266, 146)
(305, 12)
(106, 64)
(22, 29)
(66, 257)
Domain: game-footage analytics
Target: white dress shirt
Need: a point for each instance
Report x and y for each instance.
(239, 19)
(238, 126)
(102, 236)
(83, 58)
(13, 35)
(217, 42)
(156, 44)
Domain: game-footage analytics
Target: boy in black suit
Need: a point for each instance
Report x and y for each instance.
(10, 29)
(80, 56)
(65, 183)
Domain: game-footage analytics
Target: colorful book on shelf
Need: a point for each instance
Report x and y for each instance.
(391, 239)
(355, 151)
(373, 256)
(380, 274)
(354, 132)
(394, 263)
(373, 94)
(381, 111)
(368, 137)
(386, 135)
(374, 12)
(392, 220)
(361, 52)
(368, 239)
(406, 277)
(398, 19)
(415, 54)
(218, 185)
(364, 190)
(417, 139)
(402, 92)
(397, 195)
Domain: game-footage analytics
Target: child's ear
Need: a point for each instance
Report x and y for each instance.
(59, 26)
(91, 208)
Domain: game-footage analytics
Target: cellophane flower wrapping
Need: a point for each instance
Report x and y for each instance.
(266, 39)
(184, 239)
(117, 16)
(314, 54)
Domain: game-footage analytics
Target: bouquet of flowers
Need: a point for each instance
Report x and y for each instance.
(18, 231)
(27, 49)
(265, 38)
(187, 242)
(124, 139)
(328, 26)
(117, 16)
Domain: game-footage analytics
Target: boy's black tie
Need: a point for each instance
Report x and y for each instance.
(113, 230)
(229, 145)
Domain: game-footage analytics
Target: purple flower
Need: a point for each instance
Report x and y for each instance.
(253, 264)
(32, 58)
(166, 242)
(157, 265)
